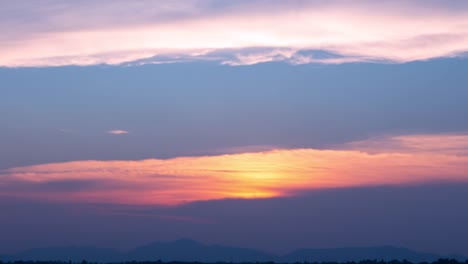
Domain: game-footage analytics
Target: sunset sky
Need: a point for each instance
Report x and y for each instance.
(320, 123)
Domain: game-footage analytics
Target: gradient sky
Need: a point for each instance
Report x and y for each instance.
(345, 123)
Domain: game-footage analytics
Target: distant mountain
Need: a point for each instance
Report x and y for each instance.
(386, 253)
(75, 254)
(190, 250)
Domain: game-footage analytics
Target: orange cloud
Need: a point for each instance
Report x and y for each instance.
(279, 172)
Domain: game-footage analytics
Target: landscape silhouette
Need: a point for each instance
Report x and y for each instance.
(188, 250)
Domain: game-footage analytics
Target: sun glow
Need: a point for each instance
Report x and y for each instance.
(278, 172)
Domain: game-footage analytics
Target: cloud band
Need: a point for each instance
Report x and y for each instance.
(243, 33)
(399, 160)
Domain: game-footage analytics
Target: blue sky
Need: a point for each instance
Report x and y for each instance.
(201, 108)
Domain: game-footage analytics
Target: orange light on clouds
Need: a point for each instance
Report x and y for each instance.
(279, 172)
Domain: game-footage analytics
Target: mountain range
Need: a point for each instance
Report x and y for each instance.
(190, 250)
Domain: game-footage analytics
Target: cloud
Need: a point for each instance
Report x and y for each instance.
(67, 131)
(117, 132)
(240, 33)
(397, 160)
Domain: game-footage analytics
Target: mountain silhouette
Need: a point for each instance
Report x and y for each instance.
(67, 253)
(189, 250)
(386, 253)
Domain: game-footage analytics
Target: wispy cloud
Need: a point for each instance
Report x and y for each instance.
(117, 132)
(68, 33)
(67, 131)
(395, 160)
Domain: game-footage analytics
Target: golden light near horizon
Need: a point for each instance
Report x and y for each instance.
(274, 173)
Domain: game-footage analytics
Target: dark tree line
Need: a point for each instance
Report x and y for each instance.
(440, 261)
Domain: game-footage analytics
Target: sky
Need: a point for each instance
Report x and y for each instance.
(320, 123)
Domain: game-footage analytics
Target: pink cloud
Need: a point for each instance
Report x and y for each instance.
(117, 132)
(357, 31)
